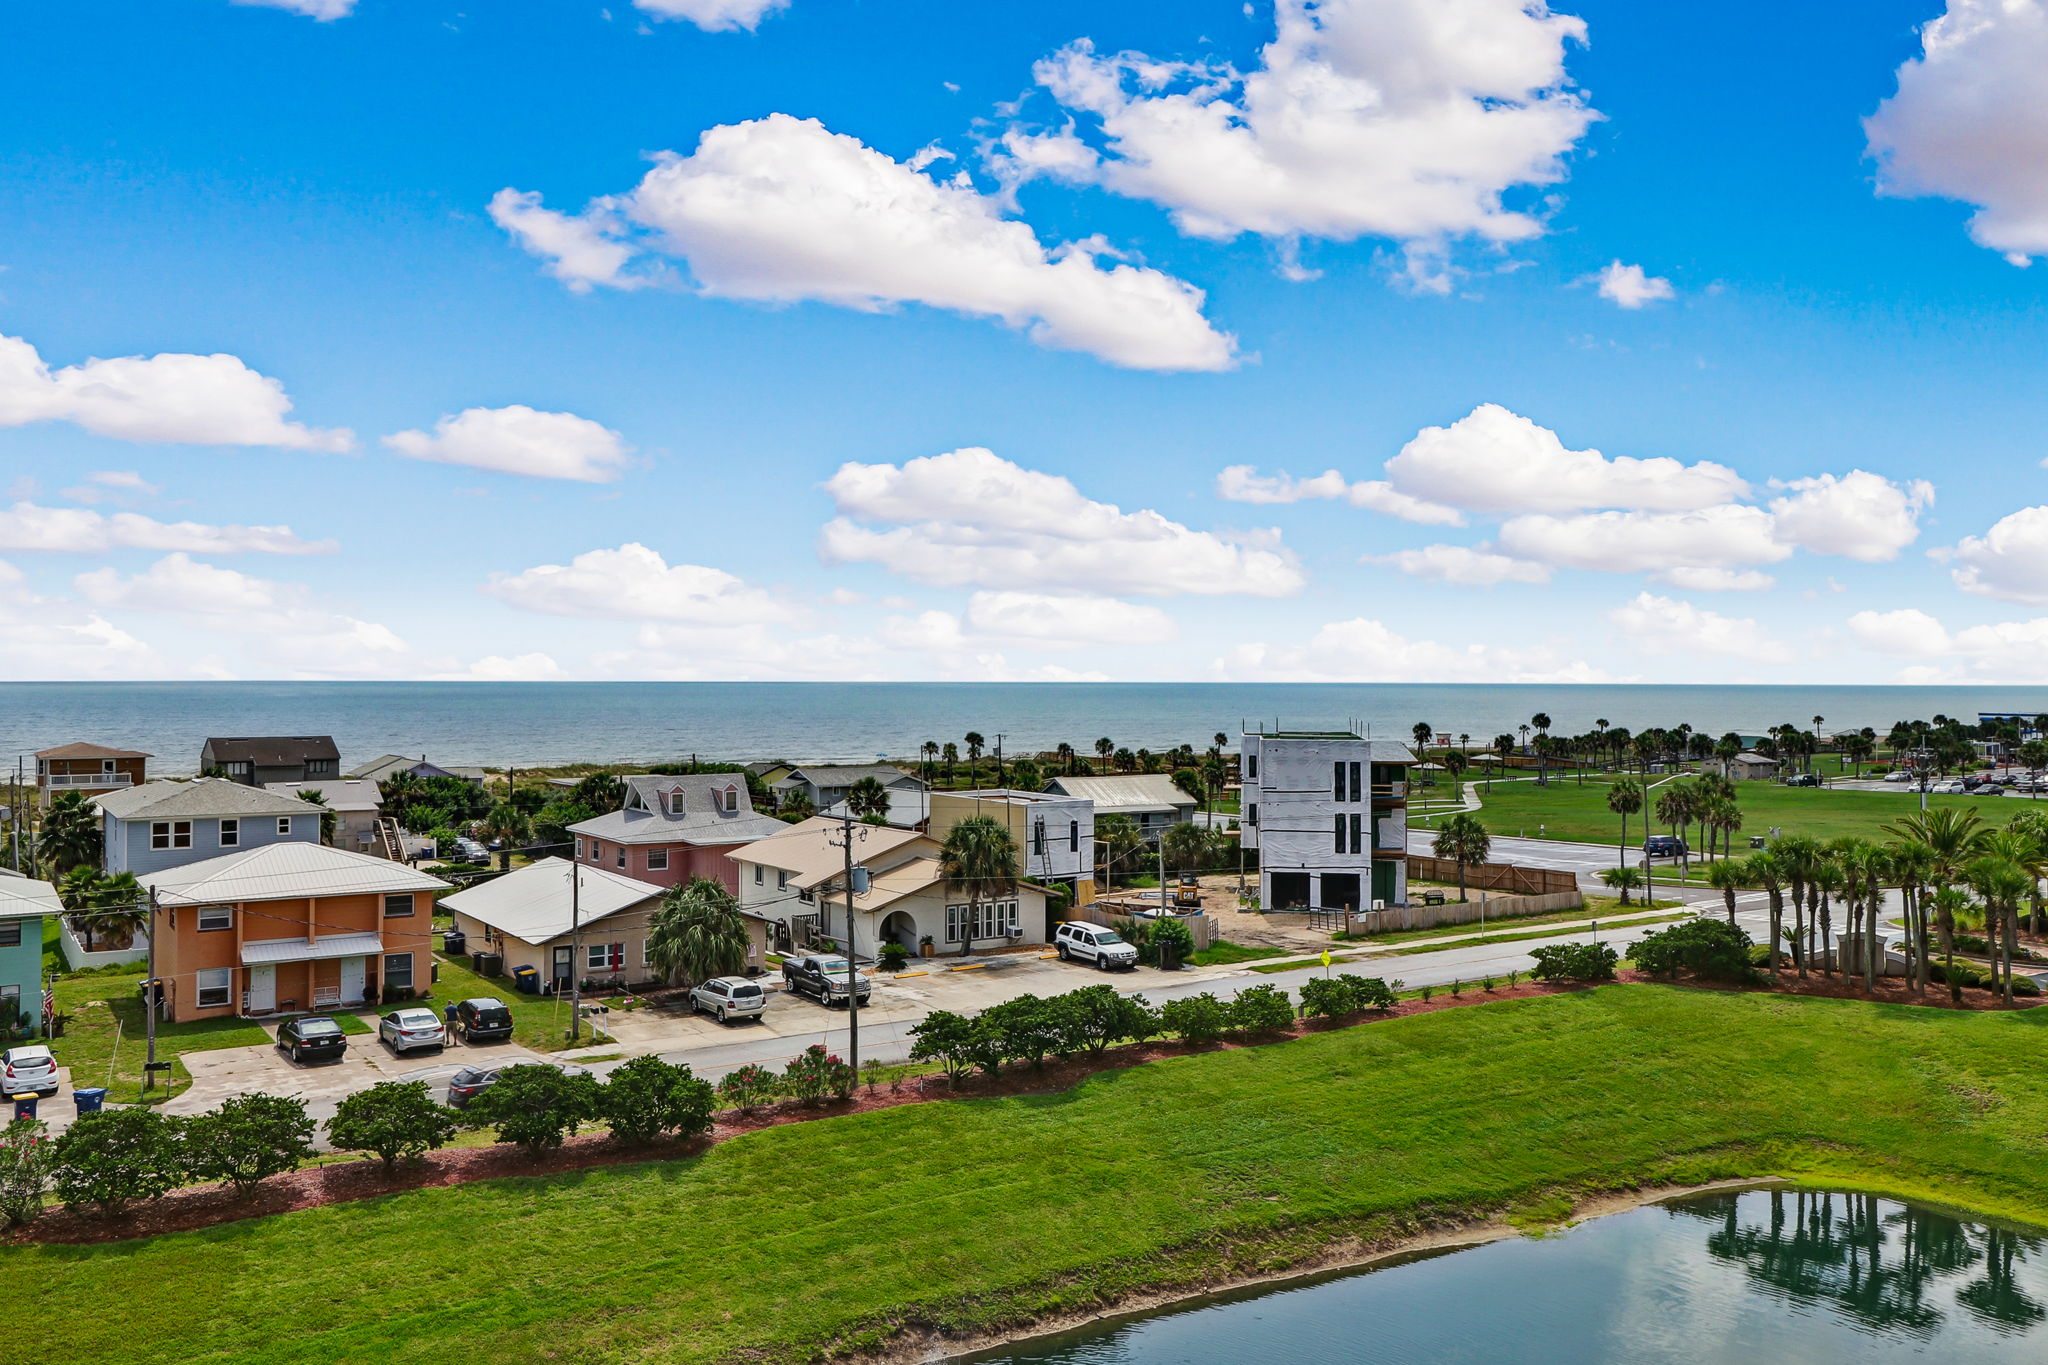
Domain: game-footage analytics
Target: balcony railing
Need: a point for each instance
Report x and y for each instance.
(1390, 791)
(88, 780)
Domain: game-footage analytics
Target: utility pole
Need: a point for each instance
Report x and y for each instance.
(999, 761)
(575, 950)
(847, 834)
(150, 995)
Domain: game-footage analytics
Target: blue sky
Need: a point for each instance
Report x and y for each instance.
(961, 343)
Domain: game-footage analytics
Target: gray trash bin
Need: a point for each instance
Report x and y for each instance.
(89, 1099)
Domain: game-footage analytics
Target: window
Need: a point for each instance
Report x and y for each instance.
(230, 833)
(760, 874)
(657, 860)
(1251, 766)
(1337, 770)
(732, 799)
(1073, 836)
(1339, 819)
(993, 919)
(398, 905)
(398, 971)
(106, 765)
(10, 933)
(170, 834)
(320, 767)
(284, 827)
(622, 855)
(782, 881)
(1252, 815)
(1355, 845)
(604, 957)
(10, 1001)
(579, 846)
(215, 986)
(1355, 789)
(596, 850)
(212, 917)
(1038, 838)
(804, 896)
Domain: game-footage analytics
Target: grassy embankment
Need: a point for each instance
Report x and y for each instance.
(982, 1214)
(1571, 810)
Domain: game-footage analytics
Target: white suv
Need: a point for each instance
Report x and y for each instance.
(727, 998)
(1093, 943)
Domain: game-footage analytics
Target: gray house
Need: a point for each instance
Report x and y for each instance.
(286, 758)
(161, 825)
(826, 784)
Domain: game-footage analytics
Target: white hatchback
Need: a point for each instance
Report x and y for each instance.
(28, 1070)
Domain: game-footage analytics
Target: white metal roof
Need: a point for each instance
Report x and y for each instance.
(532, 904)
(20, 896)
(343, 793)
(807, 852)
(1130, 792)
(290, 871)
(267, 950)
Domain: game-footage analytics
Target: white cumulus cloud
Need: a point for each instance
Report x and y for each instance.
(192, 399)
(1970, 122)
(50, 638)
(1858, 515)
(520, 440)
(75, 530)
(1994, 652)
(1464, 566)
(634, 583)
(1243, 483)
(781, 209)
(970, 516)
(1626, 286)
(1635, 542)
(322, 10)
(1665, 625)
(716, 16)
(1078, 619)
(1404, 119)
(1363, 650)
(2009, 561)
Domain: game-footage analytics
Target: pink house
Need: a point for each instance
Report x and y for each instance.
(674, 828)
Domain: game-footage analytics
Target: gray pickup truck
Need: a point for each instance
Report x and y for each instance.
(823, 978)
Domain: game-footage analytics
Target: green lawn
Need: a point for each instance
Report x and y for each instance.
(1569, 810)
(540, 1022)
(980, 1213)
(1224, 951)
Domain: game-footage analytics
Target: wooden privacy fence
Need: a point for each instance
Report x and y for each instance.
(1516, 880)
(1418, 916)
(1107, 913)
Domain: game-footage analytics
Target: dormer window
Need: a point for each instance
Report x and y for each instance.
(732, 799)
(672, 800)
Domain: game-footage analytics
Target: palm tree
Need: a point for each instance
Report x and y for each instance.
(1189, 781)
(974, 743)
(929, 752)
(1910, 864)
(1675, 807)
(868, 797)
(1728, 876)
(505, 823)
(950, 754)
(980, 856)
(1116, 838)
(1065, 754)
(1104, 747)
(1624, 798)
(796, 806)
(1801, 859)
(328, 819)
(1949, 901)
(1125, 761)
(120, 907)
(1622, 879)
(1422, 730)
(1025, 775)
(1464, 841)
(697, 933)
(1999, 884)
(71, 833)
(1766, 871)
(1542, 723)
(1187, 846)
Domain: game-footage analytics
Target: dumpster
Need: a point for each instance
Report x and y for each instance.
(89, 1099)
(24, 1106)
(526, 980)
(455, 943)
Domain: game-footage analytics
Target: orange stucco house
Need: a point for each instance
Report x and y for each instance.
(287, 928)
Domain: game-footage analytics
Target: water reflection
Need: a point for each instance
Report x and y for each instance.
(1884, 1267)
(1793, 1277)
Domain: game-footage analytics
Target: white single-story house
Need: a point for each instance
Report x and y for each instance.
(355, 803)
(1150, 800)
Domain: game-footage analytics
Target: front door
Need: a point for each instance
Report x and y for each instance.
(262, 990)
(565, 967)
(353, 976)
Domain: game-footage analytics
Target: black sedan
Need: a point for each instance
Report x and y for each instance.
(311, 1038)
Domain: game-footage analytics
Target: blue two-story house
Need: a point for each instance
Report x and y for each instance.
(162, 825)
(24, 903)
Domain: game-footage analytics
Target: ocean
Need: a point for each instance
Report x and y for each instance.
(539, 724)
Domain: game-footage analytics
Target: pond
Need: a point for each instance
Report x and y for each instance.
(1779, 1275)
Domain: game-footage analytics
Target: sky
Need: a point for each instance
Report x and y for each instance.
(1319, 340)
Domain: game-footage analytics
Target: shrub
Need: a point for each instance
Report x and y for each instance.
(1457, 990)
(1710, 949)
(1197, 1018)
(648, 1098)
(393, 1119)
(248, 1138)
(1325, 998)
(1368, 992)
(1260, 1009)
(1574, 962)
(27, 1155)
(534, 1105)
(1096, 1016)
(116, 1156)
(2025, 985)
(748, 1087)
(873, 1071)
(1172, 943)
(893, 956)
(944, 1037)
(1026, 1029)
(815, 1073)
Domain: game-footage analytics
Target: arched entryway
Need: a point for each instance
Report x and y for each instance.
(899, 927)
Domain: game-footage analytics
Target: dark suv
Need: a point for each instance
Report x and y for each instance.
(1664, 846)
(483, 1019)
(311, 1038)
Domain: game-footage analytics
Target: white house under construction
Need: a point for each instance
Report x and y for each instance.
(1328, 813)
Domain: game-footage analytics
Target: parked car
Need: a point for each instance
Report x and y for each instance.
(1987, 789)
(1951, 787)
(1899, 775)
(311, 1038)
(822, 978)
(727, 998)
(482, 1019)
(411, 1030)
(30, 1069)
(1106, 948)
(1664, 846)
(1803, 780)
(471, 1081)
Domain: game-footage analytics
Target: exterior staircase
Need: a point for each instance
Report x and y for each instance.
(388, 841)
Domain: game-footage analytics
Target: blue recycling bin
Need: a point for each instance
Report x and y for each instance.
(526, 980)
(89, 1099)
(24, 1106)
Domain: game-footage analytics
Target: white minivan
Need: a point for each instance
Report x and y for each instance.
(1093, 943)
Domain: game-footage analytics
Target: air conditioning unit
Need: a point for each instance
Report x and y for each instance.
(1379, 904)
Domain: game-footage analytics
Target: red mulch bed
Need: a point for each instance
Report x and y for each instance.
(207, 1205)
